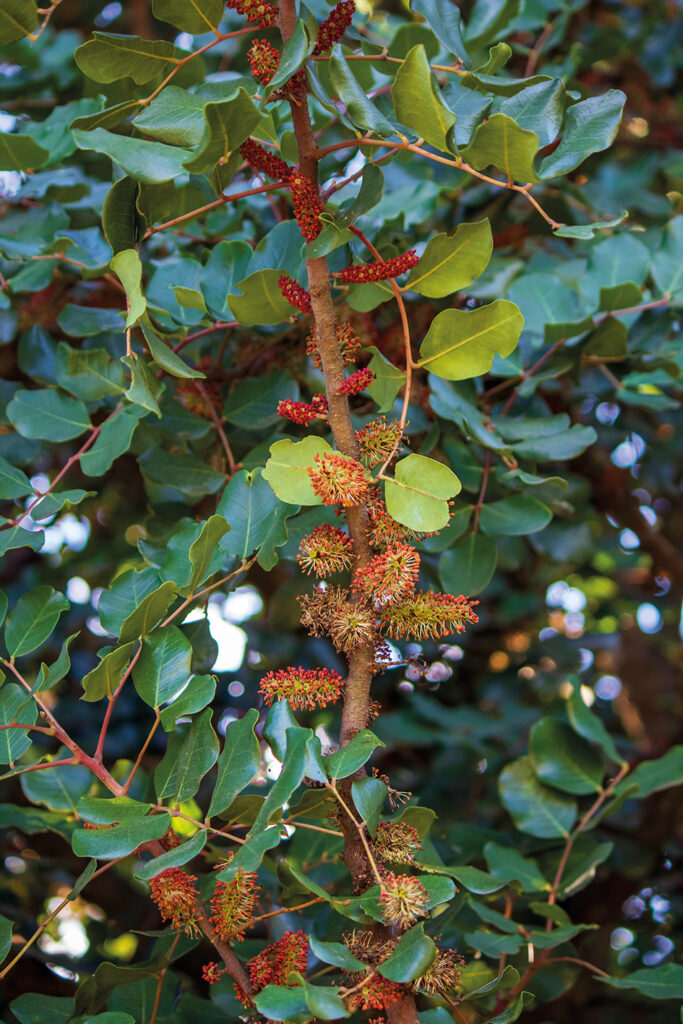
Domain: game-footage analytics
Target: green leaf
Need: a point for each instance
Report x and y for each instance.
(509, 865)
(150, 162)
(663, 982)
(667, 269)
(418, 495)
(293, 56)
(563, 760)
(103, 680)
(488, 19)
(128, 268)
(123, 596)
(251, 853)
(144, 388)
(291, 775)
(227, 125)
(323, 1002)
(445, 21)
(17, 19)
(49, 676)
(359, 107)
(238, 763)
(5, 935)
(252, 405)
(533, 807)
(203, 550)
(587, 231)
(59, 788)
(261, 301)
(451, 262)
(651, 776)
(193, 16)
(276, 1002)
(197, 694)
(369, 795)
(16, 537)
(418, 102)
(335, 953)
(20, 152)
(518, 515)
(105, 810)
(461, 344)
(85, 321)
(514, 1010)
(474, 880)
(502, 143)
(32, 1008)
(13, 483)
(108, 58)
(165, 357)
(278, 722)
(122, 223)
(469, 565)
(48, 415)
(89, 374)
(252, 509)
(349, 759)
(589, 127)
(148, 613)
(538, 108)
(186, 472)
(387, 383)
(119, 841)
(15, 705)
(163, 668)
(33, 619)
(492, 944)
(507, 978)
(287, 469)
(414, 954)
(566, 445)
(190, 753)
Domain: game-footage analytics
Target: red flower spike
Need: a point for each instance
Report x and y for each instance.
(303, 413)
(357, 382)
(175, 895)
(307, 205)
(232, 905)
(403, 899)
(264, 160)
(302, 687)
(427, 615)
(334, 27)
(389, 576)
(338, 480)
(296, 295)
(325, 551)
(376, 993)
(264, 14)
(212, 972)
(383, 270)
(263, 60)
(273, 964)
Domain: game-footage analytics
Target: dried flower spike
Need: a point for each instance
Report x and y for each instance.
(307, 205)
(325, 551)
(443, 975)
(175, 895)
(334, 26)
(263, 60)
(232, 905)
(357, 382)
(383, 270)
(264, 160)
(403, 899)
(347, 341)
(302, 687)
(294, 293)
(389, 576)
(338, 479)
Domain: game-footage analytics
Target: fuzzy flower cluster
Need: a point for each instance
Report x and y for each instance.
(377, 441)
(264, 160)
(443, 975)
(170, 840)
(263, 60)
(334, 26)
(390, 575)
(427, 615)
(273, 964)
(375, 992)
(325, 551)
(367, 273)
(232, 905)
(264, 14)
(403, 899)
(175, 895)
(303, 413)
(338, 479)
(213, 972)
(396, 842)
(306, 204)
(347, 341)
(294, 293)
(302, 687)
(357, 382)
(329, 612)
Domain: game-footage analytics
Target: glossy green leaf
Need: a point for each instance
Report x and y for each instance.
(197, 694)
(191, 752)
(446, 23)
(165, 357)
(33, 619)
(17, 19)
(123, 596)
(128, 268)
(251, 853)
(261, 301)
(322, 1001)
(239, 761)
(387, 383)
(13, 482)
(354, 755)
(186, 472)
(150, 162)
(501, 143)
(15, 706)
(254, 513)
(144, 388)
(663, 982)
(508, 977)
(451, 262)
(413, 955)
(48, 415)
(290, 777)
(163, 667)
(227, 125)
(468, 566)
(418, 495)
(253, 404)
(194, 16)
(563, 760)
(359, 107)
(287, 469)
(293, 56)
(590, 126)
(651, 776)
(476, 881)
(335, 953)
(509, 865)
(103, 680)
(418, 102)
(89, 374)
(369, 795)
(108, 58)
(276, 1002)
(518, 515)
(20, 152)
(488, 18)
(533, 807)
(59, 788)
(148, 613)
(514, 1011)
(122, 839)
(461, 344)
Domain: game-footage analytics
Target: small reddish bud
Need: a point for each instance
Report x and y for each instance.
(263, 60)
(383, 270)
(307, 205)
(334, 26)
(296, 295)
(264, 160)
(337, 479)
(265, 14)
(213, 972)
(357, 382)
(302, 687)
(325, 551)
